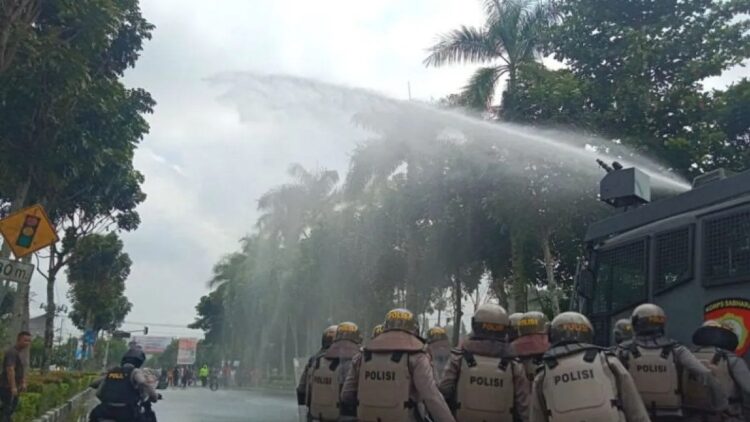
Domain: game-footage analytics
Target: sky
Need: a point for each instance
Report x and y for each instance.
(206, 161)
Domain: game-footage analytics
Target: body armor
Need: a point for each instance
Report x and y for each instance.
(579, 385)
(118, 388)
(655, 373)
(324, 390)
(697, 397)
(484, 390)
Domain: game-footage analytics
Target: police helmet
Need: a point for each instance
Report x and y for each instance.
(648, 319)
(571, 327)
(436, 334)
(377, 330)
(401, 319)
(490, 321)
(533, 322)
(348, 331)
(328, 336)
(134, 356)
(623, 330)
(515, 319)
(717, 334)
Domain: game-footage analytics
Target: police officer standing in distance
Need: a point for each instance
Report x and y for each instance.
(122, 391)
(582, 382)
(329, 373)
(303, 388)
(655, 363)
(392, 375)
(715, 345)
(532, 342)
(439, 348)
(622, 332)
(483, 382)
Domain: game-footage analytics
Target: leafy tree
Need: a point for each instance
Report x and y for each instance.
(97, 272)
(510, 35)
(73, 126)
(16, 17)
(642, 64)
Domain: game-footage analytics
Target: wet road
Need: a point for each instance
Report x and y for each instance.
(203, 405)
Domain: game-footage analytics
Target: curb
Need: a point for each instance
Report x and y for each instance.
(64, 412)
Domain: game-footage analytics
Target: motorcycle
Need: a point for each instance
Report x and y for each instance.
(145, 413)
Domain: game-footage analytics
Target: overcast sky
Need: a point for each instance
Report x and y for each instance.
(206, 162)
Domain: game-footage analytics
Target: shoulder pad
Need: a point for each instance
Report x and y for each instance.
(457, 351)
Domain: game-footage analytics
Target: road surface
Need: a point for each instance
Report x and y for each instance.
(203, 405)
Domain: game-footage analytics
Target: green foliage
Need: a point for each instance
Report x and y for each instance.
(641, 65)
(46, 392)
(509, 38)
(97, 272)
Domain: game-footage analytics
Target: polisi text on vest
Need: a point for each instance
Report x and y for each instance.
(574, 376)
(380, 375)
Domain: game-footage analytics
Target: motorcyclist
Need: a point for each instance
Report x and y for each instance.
(124, 390)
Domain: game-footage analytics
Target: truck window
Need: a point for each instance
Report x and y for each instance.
(726, 248)
(673, 258)
(620, 277)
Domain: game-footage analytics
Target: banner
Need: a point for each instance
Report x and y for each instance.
(186, 351)
(734, 312)
(152, 345)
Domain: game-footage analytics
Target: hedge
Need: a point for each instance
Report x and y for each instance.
(48, 391)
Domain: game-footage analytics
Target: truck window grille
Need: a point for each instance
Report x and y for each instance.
(673, 262)
(621, 277)
(726, 248)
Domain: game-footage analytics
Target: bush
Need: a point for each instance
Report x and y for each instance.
(48, 391)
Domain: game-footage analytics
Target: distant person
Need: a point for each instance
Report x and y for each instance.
(393, 377)
(715, 345)
(176, 376)
(623, 331)
(13, 376)
(655, 362)
(203, 375)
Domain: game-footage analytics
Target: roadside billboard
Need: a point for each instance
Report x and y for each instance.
(186, 351)
(152, 345)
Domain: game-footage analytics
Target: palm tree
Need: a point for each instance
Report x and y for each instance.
(509, 38)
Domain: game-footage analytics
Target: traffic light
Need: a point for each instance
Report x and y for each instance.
(28, 230)
(145, 331)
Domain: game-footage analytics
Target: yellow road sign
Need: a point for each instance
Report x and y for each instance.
(28, 230)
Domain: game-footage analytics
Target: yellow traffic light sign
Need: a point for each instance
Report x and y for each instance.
(28, 230)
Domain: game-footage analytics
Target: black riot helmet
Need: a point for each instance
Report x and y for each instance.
(134, 356)
(328, 336)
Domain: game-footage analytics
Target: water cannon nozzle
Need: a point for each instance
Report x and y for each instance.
(605, 166)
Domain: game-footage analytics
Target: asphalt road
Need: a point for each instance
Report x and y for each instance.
(203, 405)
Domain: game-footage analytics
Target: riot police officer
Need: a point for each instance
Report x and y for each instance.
(392, 375)
(376, 331)
(715, 345)
(622, 331)
(123, 390)
(514, 318)
(439, 348)
(532, 342)
(303, 387)
(329, 373)
(655, 362)
(582, 382)
(483, 382)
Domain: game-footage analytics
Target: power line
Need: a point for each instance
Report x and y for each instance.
(157, 324)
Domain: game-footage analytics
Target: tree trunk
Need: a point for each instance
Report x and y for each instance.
(457, 309)
(284, 357)
(519, 260)
(49, 324)
(549, 267)
(498, 286)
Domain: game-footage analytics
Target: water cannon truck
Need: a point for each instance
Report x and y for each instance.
(689, 253)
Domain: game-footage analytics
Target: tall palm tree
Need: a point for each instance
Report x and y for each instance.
(509, 37)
